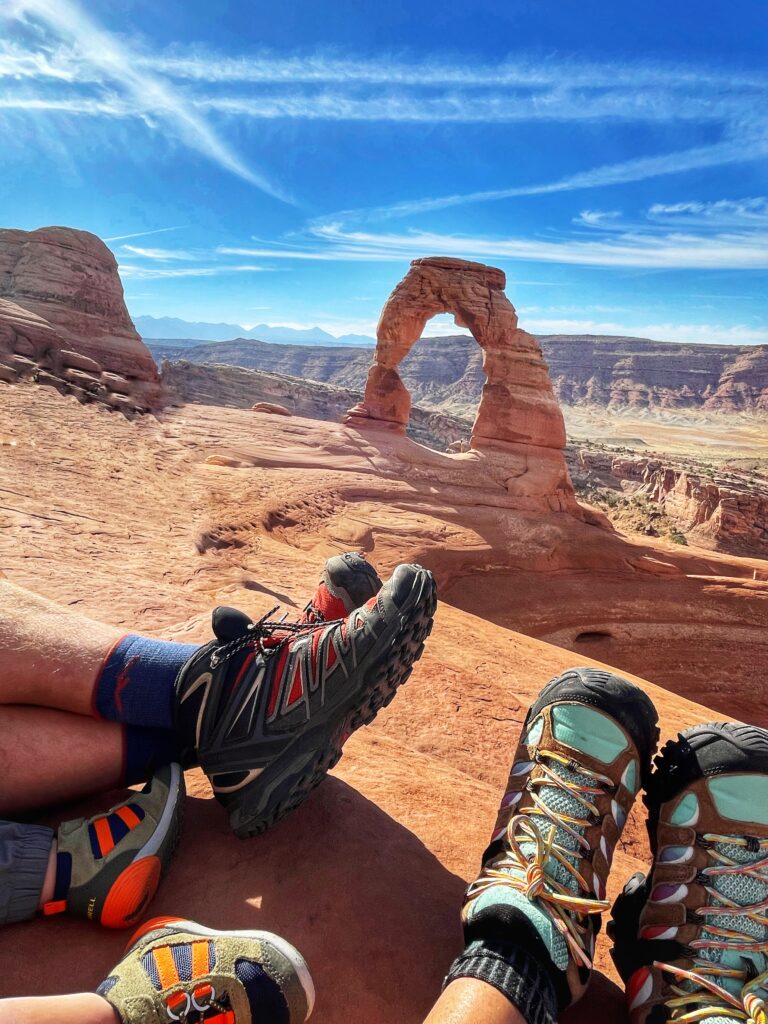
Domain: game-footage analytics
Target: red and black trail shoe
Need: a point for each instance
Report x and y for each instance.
(266, 707)
(348, 581)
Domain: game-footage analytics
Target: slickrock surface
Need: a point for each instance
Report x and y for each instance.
(149, 523)
(213, 384)
(600, 372)
(518, 420)
(63, 321)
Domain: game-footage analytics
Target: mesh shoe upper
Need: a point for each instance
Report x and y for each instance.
(701, 919)
(543, 881)
(267, 706)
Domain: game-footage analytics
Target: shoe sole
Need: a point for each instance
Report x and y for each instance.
(341, 579)
(294, 957)
(165, 839)
(287, 783)
(630, 706)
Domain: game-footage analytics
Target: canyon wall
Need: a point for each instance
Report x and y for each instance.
(63, 320)
(447, 373)
(725, 512)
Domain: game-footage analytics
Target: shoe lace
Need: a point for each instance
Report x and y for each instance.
(705, 996)
(265, 629)
(565, 907)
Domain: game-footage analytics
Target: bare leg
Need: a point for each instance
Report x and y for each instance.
(49, 756)
(469, 1001)
(85, 1008)
(49, 655)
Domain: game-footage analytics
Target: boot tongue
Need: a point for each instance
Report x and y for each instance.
(229, 624)
(560, 802)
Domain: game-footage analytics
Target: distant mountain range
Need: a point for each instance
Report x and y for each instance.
(446, 374)
(171, 328)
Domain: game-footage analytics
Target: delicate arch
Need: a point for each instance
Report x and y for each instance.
(517, 405)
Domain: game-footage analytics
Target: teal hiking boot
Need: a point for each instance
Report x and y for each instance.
(585, 750)
(691, 939)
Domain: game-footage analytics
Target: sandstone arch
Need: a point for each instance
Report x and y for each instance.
(517, 405)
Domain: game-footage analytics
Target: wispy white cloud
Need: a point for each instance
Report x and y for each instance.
(596, 218)
(399, 107)
(183, 92)
(111, 56)
(517, 71)
(135, 272)
(326, 254)
(734, 250)
(142, 234)
(165, 255)
(750, 212)
(323, 86)
(638, 169)
(473, 107)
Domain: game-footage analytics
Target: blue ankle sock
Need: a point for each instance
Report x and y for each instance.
(146, 750)
(135, 684)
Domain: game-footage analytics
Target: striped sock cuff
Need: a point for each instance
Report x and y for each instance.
(514, 972)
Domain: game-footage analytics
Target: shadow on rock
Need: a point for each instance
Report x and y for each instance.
(372, 910)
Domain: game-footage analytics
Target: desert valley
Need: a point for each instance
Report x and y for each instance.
(605, 502)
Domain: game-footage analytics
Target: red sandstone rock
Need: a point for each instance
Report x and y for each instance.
(713, 513)
(517, 405)
(244, 517)
(518, 417)
(62, 310)
(271, 407)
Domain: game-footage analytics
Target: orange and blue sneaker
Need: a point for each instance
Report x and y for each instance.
(177, 970)
(691, 939)
(108, 867)
(347, 582)
(584, 753)
(266, 707)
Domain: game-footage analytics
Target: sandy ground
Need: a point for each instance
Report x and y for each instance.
(150, 524)
(677, 431)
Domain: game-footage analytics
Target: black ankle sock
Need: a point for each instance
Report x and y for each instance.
(146, 750)
(514, 972)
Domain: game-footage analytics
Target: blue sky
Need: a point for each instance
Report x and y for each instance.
(282, 163)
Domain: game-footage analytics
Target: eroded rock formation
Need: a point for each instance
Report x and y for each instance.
(517, 405)
(729, 513)
(518, 418)
(63, 320)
